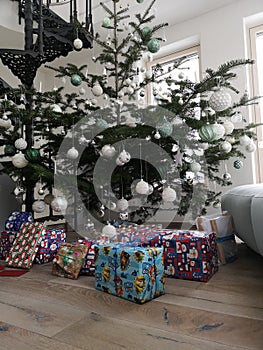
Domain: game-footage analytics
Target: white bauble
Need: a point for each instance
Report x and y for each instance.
(20, 144)
(148, 74)
(72, 153)
(56, 108)
(130, 90)
(109, 231)
(204, 145)
(220, 100)
(230, 139)
(237, 118)
(59, 204)
(226, 146)
(229, 127)
(119, 162)
(227, 176)
(168, 195)
(97, 90)
(148, 57)
(124, 216)
(244, 140)
(219, 130)
(124, 156)
(39, 206)
(150, 189)
(142, 187)
(19, 160)
(157, 135)
(82, 91)
(5, 123)
(122, 204)
(108, 151)
(78, 44)
(195, 167)
(251, 147)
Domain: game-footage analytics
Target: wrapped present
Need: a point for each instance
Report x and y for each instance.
(49, 245)
(69, 260)
(189, 254)
(88, 267)
(132, 273)
(6, 241)
(26, 244)
(16, 219)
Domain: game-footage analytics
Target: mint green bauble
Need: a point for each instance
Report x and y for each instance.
(238, 164)
(9, 150)
(75, 80)
(165, 128)
(106, 22)
(102, 124)
(207, 133)
(32, 155)
(146, 31)
(153, 45)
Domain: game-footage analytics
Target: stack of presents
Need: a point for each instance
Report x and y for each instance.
(133, 266)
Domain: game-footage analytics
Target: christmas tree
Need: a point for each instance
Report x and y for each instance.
(107, 157)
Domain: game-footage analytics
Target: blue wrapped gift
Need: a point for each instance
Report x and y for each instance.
(49, 245)
(132, 273)
(16, 219)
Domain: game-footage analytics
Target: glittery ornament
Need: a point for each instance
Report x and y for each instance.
(19, 160)
(225, 147)
(75, 80)
(108, 151)
(146, 31)
(59, 204)
(244, 140)
(168, 195)
(32, 155)
(106, 22)
(165, 128)
(124, 156)
(157, 135)
(220, 100)
(195, 167)
(142, 187)
(78, 44)
(140, 1)
(153, 45)
(109, 231)
(5, 123)
(238, 164)
(20, 144)
(227, 176)
(39, 206)
(122, 204)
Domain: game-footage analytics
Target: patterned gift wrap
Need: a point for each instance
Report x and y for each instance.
(6, 241)
(88, 267)
(69, 260)
(190, 254)
(49, 245)
(138, 235)
(16, 219)
(26, 244)
(132, 273)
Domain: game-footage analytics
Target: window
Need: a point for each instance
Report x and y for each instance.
(190, 69)
(256, 53)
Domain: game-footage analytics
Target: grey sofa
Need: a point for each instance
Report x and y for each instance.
(245, 204)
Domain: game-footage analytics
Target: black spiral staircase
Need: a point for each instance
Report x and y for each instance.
(54, 36)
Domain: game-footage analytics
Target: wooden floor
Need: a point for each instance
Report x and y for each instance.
(41, 311)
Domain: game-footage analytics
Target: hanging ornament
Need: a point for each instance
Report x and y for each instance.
(195, 167)
(153, 45)
(97, 90)
(237, 117)
(75, 80)
(78, 44)
(130, 121)
(108, 151)
(122, 204)
(238, 164)
(106, 22)
(119, 162)
(19, 191)
(142, 187)
(230, 139)
(41, 191)
(244, 140)
(149, 74)
(5, 123)
(48, 198)
(9, 150)
(150, 189)
(168, 195)
(82, 140)
(109, 231)
(165, 128)
(124, 216)
(39, 206)
(220, 100)
(59, 204)
(204, 145)
(251, 147)
(229, 127)
(72, 153)
(101, 213)
(219, 130)
(82, 91)
(20, 144)
(157, 135)
(32, 155)
(146, 31)
(207, 133)
(225, 147)
(102, 124)
(56, 108)
(181, 75)
(19, 160)
(227, 176)
(124, 157)
(217, 204)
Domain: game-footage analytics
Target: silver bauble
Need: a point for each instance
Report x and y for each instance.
(142, 187)
(122, 204)
(195, 167)
(39, 206)
(78, 44)
(124, 156)
(229, 127)
(227, 176)
(97, 90)
(59, 204)
(72, 153)
(19, 160)
(251, 147)
(108, 151)
(21, 144)
(226, 146)
(109, 231)
(244, 140)
(168, 195)
(219, 130)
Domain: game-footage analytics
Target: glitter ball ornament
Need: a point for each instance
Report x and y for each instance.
(108, 151)
(225, 146)
(39, 206)
(78, 44)
(251, 147)
(219, 131)
(32, 155)
(153, 45)
(97, 90)
(59, 204)
(229, 127)
(56, 108)
(238, 164)
(207, 133)
(122, 204)
(5, 123)
(227, 176)
(195, 167)
(75, 80)
(244, 140)
(19, 160)
(220, 100)
(142, 187)
(109, 231)
(168, 195)
(165, 128)
(124, 216)
(20, 144)
(72, 153)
